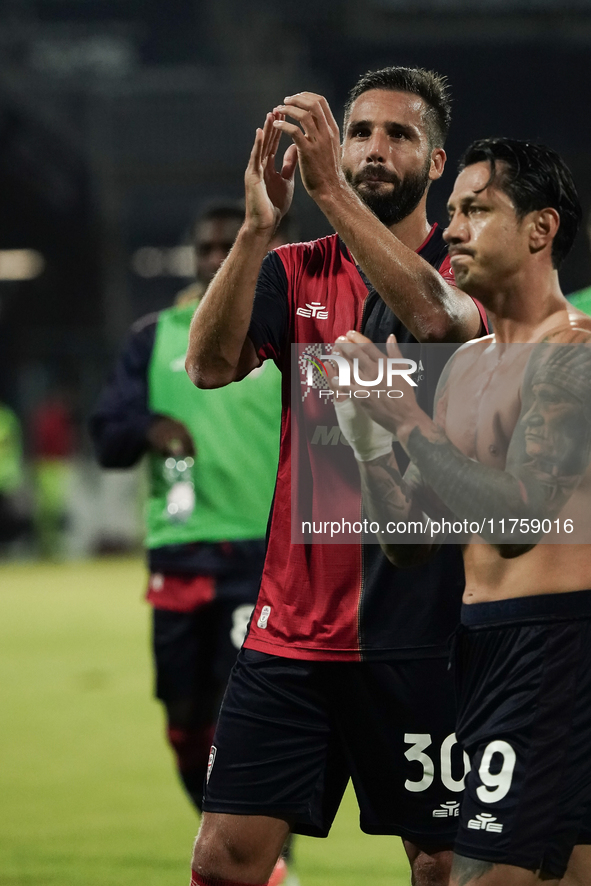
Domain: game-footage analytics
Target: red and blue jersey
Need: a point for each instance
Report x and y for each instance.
(338, 601)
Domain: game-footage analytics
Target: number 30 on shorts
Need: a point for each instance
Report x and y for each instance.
(419, 742)
(495, 770)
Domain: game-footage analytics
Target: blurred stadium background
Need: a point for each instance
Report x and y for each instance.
(119, 120)
(88, 790)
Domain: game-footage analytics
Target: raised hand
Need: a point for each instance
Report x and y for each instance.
(317, 139)
(268, 192)
(390, 408)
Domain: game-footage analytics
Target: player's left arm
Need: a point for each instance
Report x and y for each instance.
(550, 450)
(548, 455)
(431, 308)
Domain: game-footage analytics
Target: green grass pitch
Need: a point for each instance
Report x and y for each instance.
(88, 792)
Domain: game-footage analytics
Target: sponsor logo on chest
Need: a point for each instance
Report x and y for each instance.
(313, 309)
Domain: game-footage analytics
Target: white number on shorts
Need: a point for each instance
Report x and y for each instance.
(447, 778)
(240, 618)
(420, 742)
(496, 785)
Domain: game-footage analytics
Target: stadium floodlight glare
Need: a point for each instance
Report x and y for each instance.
(20, 264)
(158, 261)
(181, 261)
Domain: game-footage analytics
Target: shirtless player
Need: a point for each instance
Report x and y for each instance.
(523, 654)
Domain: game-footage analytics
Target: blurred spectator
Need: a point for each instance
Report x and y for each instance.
(212, 465)
(213, 234)
(14, 523)
(53, 441)
(53, 429)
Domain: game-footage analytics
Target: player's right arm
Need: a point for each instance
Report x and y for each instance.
(388, 497)
(548, 457)
(220, 350)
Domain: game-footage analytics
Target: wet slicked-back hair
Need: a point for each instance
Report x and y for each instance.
(533, 177)
(431, 87)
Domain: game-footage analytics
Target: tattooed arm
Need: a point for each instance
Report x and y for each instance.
(548, 455)
(392, 499)
(386, 496)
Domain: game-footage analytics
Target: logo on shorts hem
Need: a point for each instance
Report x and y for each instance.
(451, 809)
(264, 617)
(212, 752)
(485, 822)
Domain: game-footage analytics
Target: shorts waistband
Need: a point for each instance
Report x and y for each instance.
(541, 607)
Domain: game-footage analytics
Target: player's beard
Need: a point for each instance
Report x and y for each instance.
(399, 202)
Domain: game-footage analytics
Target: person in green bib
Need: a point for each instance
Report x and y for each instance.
(212, 461)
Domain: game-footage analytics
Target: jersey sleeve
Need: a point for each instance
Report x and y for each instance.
(270, 315)
(446, 271)
(121, 419)
(484, 322)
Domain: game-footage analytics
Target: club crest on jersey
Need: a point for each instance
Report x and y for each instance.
(313, 309)
(264, 617)
(485, 822)
(212, 752)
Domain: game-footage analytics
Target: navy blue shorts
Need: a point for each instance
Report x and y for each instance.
(291, 733)
(524, 717)
(194, 653)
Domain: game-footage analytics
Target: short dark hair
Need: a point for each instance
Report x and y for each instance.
(533, 177)
(217, 209)
(431, 87)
